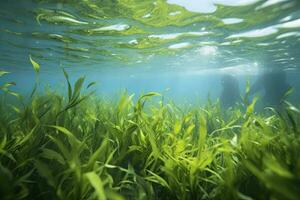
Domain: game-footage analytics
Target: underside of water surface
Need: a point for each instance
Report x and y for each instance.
(150, 99)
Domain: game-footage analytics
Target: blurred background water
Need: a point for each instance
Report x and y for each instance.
(180, 48)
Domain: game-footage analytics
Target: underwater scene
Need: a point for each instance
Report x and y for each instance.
(150, 99)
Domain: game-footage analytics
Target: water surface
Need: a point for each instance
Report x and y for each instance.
(175, 45)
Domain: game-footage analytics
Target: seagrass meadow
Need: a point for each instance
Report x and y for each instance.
(79, 146)
(149, 100)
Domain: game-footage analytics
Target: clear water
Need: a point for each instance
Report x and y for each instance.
(176, 47)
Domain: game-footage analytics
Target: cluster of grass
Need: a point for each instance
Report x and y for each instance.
(81, 147)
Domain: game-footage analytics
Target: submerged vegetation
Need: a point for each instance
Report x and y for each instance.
(81, 147)
(78, 146)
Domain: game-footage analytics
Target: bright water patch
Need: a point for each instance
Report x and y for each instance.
(232, 20)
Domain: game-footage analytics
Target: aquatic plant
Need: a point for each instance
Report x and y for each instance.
(80, 146)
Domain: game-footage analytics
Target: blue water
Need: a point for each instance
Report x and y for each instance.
(177, 48)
